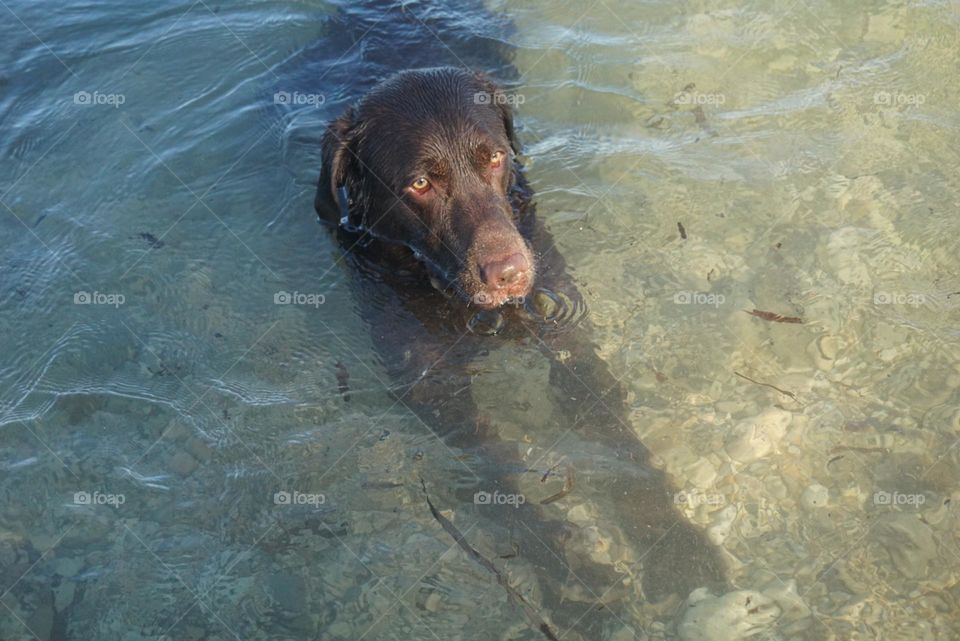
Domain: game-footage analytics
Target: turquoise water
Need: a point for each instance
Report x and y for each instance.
(155, 398)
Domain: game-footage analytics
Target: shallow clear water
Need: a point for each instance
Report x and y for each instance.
(154, 399)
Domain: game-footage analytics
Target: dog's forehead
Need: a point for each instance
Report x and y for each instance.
(430, 87)
(435, 108)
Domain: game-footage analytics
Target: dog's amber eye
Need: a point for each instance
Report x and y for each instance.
(496, 159)
(421, 185)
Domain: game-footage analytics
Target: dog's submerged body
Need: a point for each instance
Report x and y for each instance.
(421, 182)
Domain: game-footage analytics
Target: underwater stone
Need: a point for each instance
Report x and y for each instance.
(815, 496)
(756, 437)
(910, 543)
(736, 615)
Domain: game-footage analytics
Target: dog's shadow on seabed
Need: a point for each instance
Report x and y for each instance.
(420, 340)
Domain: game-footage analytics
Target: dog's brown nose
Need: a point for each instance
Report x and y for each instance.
(500, 273)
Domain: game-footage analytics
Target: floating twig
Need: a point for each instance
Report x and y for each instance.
(782, 391)
(773, 316)
(528, 609)
(568, 480)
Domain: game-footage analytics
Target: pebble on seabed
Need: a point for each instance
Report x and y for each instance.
(815, 496)
(733, 616)
(756, 437)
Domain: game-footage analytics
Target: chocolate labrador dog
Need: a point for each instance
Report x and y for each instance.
(422, 184)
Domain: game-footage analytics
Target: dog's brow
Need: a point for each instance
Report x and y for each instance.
(439, 167)
(484, 149)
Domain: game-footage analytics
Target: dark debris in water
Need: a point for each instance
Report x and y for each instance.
(153, 241)
(773, 387)
(343, 381)
(568, 482)
(773, 316)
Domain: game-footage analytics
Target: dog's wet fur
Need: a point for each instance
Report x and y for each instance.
(428, 161)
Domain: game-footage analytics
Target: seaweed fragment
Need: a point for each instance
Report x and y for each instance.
(153, 241)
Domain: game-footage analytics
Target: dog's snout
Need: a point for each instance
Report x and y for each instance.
(504, 272)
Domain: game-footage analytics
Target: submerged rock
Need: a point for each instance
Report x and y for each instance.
(735, 615)
(722, 523)
(756, 437)
(815, 496)
(909, 542)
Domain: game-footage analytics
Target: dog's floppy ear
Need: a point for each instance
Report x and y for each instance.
(499, 99)
(339, 165)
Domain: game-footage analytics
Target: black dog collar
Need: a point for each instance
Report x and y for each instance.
(343, 196)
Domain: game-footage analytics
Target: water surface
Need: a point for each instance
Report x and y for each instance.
(157, 397)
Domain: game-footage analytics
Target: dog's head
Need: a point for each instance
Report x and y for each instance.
(427, 160)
